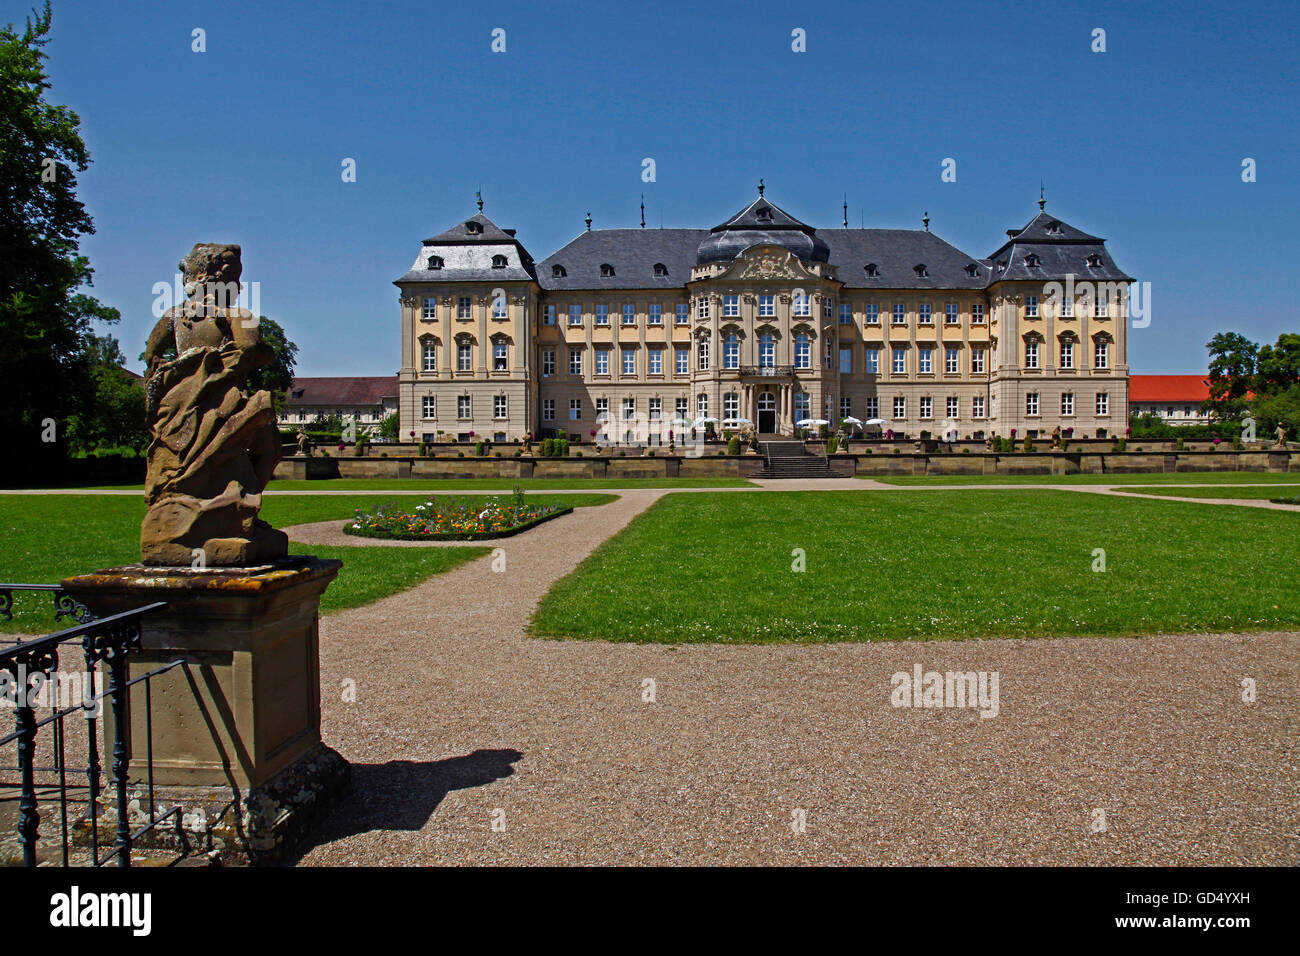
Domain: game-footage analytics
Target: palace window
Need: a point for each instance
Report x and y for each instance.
(462, 307)
(429, 407)
(701, 405)
(731, 305)
(977, 361)
(499, 356)
(921, 271)
(430, 357)
(923, 363)
(656, 315)
(953, 406)
(1031, 261)
(1101, 305)
(683, 314)
(1067, 307)
(602, 315)
(927, 407)
(680, 407)
(900, 406)
(606, 270)
(900, 361)
(681, 361)
(1067, 353)
(661, 270)
(767, 305)
(575, 315)
(656, 409)
(702, 355)
(1067, 403)
(499, 307)
(548, 315)
(602, 409)
(629, 409)
(629, 314)
(575, 409)
(846, 313)
(558, 272)
(802, 351)
(828, 307)
(548, 362)
(802, 303)
(1031, 403)
(629, 361)
(846, 361)
(767, 350)
(499, 406)
(548, 409)
(602, 361)
(873, 314)
(950, 313)
(873, 361)
(873, 406)
(802, 405)
(846, 406)
(1103, 403)
(435, 263)
(925, 314)
(702, 307)
(498, 262)
(730, 405)
(430, 308)
(1031, 353)
(575, 361)
(464, 357)
(977, 406)
(1102, 357)
(977, 313)
(1031, 306)
(951, 361)
(656, 361)
(900, 314)
(731, 351)
(463, 407)
(1094, 261)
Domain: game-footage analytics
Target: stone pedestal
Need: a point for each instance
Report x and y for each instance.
(236, 727)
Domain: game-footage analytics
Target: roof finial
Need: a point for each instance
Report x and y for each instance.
(1042, 203)
(479, 196)
(926, 221)
(760, 187)
(643, 210)
(589, 220)
(846, 210)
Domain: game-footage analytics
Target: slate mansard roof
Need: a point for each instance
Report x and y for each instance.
(602, 259)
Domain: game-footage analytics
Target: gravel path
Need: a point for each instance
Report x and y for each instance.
(473, 743)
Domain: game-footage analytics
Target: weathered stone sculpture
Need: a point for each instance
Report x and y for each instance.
(213, 444)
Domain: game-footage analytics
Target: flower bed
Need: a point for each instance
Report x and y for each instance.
(453, 519)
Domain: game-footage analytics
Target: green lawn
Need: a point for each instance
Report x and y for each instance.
(1266, 493)
(51, 537)
(1188, 477)
(483, 484)
(898, 565)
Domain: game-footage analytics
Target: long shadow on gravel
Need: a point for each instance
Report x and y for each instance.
(402, 794)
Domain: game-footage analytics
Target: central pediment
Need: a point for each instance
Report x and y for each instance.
(768, 261)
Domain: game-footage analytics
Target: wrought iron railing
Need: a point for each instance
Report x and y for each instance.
(33, 688)
(768, 371)
(65, 605)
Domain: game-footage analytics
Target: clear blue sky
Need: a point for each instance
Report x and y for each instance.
(1141, 144)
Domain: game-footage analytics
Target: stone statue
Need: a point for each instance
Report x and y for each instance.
(213, 443)
(304, 444)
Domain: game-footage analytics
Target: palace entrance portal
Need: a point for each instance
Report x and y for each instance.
(766, 413)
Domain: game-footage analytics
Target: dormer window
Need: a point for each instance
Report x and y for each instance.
(873, 270)
(498, 262)
(921, 271)
(661, 270)
(1094, 261)
(972, 269)
(763, 214)
(1032, 261)
(1053, 228)
(558, 272)
(606, 270)
(435, 262)
(474, 228)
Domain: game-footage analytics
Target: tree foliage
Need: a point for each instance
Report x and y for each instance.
(45, 318)
(1262, 382)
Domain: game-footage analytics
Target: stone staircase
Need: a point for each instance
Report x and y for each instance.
(790, 459)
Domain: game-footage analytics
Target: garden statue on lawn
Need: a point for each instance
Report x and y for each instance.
(213, 443)
(304, 444)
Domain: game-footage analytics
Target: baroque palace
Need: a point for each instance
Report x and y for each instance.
(767, 319)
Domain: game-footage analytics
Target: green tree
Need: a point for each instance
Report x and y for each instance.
(114, 415)
(1277, 408)
(1278, 366)
(45, 320)
(278, 376)
(388, 428)
(1233, 360)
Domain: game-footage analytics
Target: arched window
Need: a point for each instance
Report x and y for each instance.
(802, 351)
(558, 272)
(429, 355)
(731, 350)
(730, 406)
(498, 262)
(606, 270)
(921, 271)
(702, 404)
(473, 228)
(872, 269)
(435, 262)
(767, 350)
(661, 269)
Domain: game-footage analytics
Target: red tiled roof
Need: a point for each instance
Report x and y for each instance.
(342, 391)
(1168, 388)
